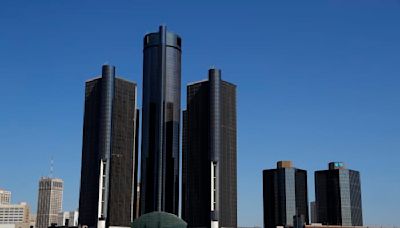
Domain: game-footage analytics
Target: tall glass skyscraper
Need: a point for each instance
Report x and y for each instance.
(209, 179)
(338, 196)
(109, 152)
(285, 195)
(160, 122)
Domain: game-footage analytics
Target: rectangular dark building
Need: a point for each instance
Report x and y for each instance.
(338, 196)
(109, 158)
(285, 195)
(209, 195)
(161, 122)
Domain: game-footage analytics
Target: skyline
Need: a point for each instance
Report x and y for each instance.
(328, 96)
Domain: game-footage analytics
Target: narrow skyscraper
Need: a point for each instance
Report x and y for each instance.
(109, 157)
(338, 196)
(285, 195)
(209, 197)
(159, 188)
(49, 201)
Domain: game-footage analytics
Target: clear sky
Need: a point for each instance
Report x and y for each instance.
(318, 81)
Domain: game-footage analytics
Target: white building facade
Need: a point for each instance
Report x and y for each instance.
(68, 218)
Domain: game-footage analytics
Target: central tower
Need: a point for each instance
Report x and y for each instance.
(161, 119)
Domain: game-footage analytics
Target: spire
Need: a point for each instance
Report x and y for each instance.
(51, 167)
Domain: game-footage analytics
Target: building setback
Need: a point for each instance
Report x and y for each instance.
(209, 179)
(338, 196)
(109, 157)
(49, 201)
(285, 195)
(161, 122)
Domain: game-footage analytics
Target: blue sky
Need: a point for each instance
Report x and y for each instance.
(318, 81)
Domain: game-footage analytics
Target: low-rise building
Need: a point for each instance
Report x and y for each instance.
(32, 220)
(319, 225)
(68, 218)
(14, 213)
(16, 225)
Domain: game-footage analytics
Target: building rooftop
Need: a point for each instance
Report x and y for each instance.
(336, 165)
(284, 164)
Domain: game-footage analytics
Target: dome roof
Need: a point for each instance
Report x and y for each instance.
(159, 220)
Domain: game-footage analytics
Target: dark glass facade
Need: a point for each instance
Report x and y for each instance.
(109, 157)
(209, 177)
(285, 196)
(160, 122)
(338, 196)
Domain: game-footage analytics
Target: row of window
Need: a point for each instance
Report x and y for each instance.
(9, 214)
(11, 211)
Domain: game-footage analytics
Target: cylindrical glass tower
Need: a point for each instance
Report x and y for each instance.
(160, 122)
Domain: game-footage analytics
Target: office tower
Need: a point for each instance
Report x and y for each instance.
(314, 214)
(49, 201)
(109, 158)
(14, 213)
(160, 122)
(285, 195)
(338, 196)
(209, 197)
(5, 197)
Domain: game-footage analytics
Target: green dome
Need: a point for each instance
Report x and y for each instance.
(159, 220)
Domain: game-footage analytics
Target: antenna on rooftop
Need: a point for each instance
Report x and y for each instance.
(51, 167)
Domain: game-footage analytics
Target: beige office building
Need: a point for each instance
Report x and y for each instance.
(16, 225)
(14, 213)
(5, 197)
(49, 201)
(32, 220)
